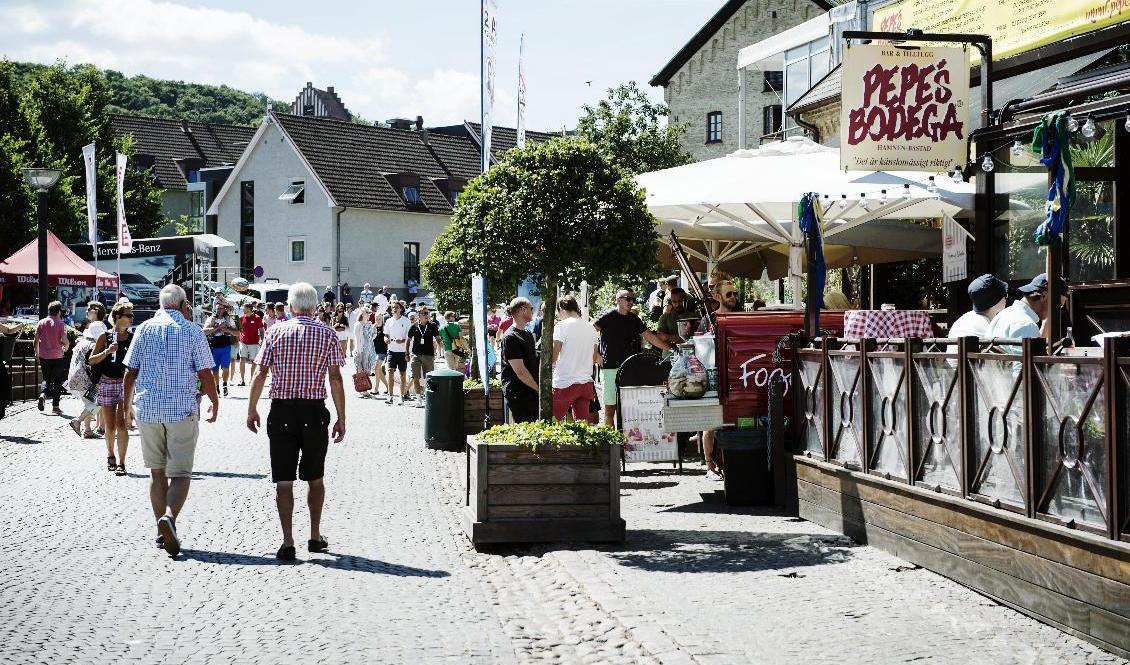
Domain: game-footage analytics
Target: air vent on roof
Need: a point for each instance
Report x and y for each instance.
(399, 123)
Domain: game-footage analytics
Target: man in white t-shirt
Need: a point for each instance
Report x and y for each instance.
(396, 333)
(574, 353)
(988, 295)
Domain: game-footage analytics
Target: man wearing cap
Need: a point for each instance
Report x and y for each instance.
(988, 295)
(1022, 318)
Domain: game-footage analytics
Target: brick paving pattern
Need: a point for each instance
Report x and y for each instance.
(82, 582)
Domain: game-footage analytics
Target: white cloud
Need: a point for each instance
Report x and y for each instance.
(445, 97)
(170, 40)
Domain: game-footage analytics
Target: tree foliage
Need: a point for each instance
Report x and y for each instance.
(564, 211)
(46, 115)
(634, 131)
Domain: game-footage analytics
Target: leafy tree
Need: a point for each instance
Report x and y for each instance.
(565, 211)
(634, 131)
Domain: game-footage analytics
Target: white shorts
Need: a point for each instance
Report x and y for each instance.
(344, 335)
(248, 351)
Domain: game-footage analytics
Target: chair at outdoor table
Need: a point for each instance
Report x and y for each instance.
(887, 323)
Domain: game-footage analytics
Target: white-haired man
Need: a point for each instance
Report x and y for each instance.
(299, 353)
(167, 357)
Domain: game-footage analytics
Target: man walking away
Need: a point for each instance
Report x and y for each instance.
(299, 353)
(574, 354)
(621, 333)
(50, 347)
(520, 364)
(250, 328)
(167, 357)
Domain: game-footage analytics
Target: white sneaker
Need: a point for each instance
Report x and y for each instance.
(419, 403)
(712, 475)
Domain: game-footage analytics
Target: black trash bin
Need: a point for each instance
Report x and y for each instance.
(747, 465)
(443, 410)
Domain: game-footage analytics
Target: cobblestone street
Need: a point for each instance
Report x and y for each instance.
(82, 582)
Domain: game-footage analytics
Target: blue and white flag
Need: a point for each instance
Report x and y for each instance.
(489, 62)
(479, 321)
(125, 241)
(91, 195)
(521, 94)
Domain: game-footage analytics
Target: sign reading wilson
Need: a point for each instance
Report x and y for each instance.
(904, 109)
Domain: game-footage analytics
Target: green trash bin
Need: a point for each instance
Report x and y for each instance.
(443, 410)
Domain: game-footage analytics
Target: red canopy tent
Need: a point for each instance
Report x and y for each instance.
(64, 267)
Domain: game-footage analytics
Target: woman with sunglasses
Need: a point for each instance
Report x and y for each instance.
(109, 355)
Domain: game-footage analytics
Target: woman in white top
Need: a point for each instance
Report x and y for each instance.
(574, 353)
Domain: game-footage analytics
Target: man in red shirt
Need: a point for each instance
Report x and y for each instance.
(299, 352)
(50, 347)
(250, 328)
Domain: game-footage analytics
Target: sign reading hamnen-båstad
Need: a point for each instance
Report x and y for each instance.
(904, 109)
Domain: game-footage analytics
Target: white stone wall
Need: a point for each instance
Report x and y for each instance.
(372, 245)
(271, 165)
(709, 80)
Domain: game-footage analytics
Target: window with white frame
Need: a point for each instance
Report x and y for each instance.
(295, 193)
(298, 250)
(805, 65)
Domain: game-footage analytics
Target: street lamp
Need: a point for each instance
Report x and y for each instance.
(42, 180)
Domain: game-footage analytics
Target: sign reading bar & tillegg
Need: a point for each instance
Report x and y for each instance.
(904, 109)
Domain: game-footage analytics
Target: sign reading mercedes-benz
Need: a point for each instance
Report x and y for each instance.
(904, 109)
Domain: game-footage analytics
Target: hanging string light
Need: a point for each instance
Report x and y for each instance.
(987, 164)
(883, 197)
(1072, 125)
(906, 191)
(1017, 148)
(1126, 126)
(863, 201)
(932, 187)
(1089, 128)
(957, 175)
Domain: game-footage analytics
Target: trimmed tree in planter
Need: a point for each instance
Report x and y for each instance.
(561, 210)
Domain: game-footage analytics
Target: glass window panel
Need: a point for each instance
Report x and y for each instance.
(938, 446)
(1091, 233)
(847, 408)
(796, 53)
(888, 413)
(1075, 444)
(820, 64)
(796, 80)
(1025, 193)
(818, 45)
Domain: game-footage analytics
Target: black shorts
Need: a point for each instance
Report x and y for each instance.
(295, 425)
(522, 402)
(397, 360)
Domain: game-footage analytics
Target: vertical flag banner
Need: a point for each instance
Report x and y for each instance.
(125, 242)
(521, 94)
(479, 319)
(91, 195)
(489, 60)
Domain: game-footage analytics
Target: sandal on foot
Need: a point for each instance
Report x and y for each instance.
(121, 470)
(319, 545)
(76, 427)
(111, 463)
(285, 553)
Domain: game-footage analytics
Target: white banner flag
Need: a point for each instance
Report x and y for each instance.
(479, 322)
(490, 59)
(521, 94)
(954, 249)
(125, 242)
(91, 194)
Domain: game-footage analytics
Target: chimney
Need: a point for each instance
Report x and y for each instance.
(419, 122)
(330, 89)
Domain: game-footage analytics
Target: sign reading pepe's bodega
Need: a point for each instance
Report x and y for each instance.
(904, 109)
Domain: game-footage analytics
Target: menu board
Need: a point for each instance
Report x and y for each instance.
(640, 407)
(1015, 26)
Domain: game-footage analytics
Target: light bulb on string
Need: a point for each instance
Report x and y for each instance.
(863, 201)
(1017, 148)
(987, 164)
(906, 191)
(883, 196)
(843, 200)
(1126, 126)
(1089, 128)
(957, 175)
(932, 187)
(1072, 124)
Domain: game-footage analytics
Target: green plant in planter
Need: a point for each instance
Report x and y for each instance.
(470, 383)
(542, 434)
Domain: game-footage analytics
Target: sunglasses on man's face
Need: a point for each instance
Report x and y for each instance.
(628, 298)
(729, 294)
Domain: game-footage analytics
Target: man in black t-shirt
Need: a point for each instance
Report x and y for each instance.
(423, 338)
(520, 364)
(621, 335)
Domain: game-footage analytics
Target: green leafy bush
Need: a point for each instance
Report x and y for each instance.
(470, 383)
(552, 434)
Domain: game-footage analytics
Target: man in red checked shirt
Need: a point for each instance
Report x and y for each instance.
(299, 353)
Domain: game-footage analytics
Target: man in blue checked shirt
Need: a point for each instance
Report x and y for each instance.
(166, 358)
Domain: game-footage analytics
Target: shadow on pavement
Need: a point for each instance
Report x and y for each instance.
(715, 503)
(727, 551)
(21, 440)
(366, 565)
(652, 485)
(227, 474)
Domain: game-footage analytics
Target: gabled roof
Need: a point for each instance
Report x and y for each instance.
(326, 103)
(501, 138)
(352, 161)
(704, 34)
(166, 142)
(459, 155)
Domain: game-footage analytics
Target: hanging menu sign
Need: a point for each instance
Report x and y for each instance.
(904, 109)
(1016, 26)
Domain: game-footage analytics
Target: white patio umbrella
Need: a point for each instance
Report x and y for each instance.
(745, 204)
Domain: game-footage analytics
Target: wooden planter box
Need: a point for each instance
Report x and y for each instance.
(26, 378)
(516, 496)
(475, 406)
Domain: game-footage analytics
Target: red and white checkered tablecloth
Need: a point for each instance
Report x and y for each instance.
(882, 323)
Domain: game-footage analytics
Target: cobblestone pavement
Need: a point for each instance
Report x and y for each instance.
(80, 580)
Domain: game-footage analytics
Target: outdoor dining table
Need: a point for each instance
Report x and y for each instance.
(887, 323)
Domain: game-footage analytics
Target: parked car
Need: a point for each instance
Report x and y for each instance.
(140, 291)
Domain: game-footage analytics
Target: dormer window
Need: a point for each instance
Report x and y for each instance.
(295, 193)
(451, 188)
(411, 194)
(407, 185)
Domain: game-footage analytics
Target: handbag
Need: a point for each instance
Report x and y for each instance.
(361, 382)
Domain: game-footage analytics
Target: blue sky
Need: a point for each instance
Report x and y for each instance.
(385, 59)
